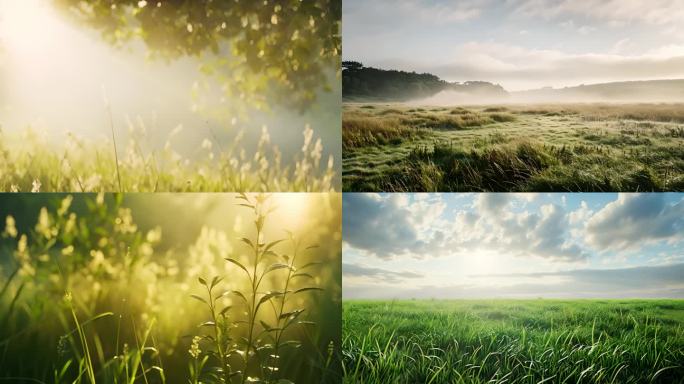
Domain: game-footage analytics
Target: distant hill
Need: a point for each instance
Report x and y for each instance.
(361, 83)
(624, 91)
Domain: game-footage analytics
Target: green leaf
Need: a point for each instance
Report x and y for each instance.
(294, 314)
(291, 343)
(308, 289)
(215, 281)
(273, 244)
(310, 264)
(312, 246)
(226, 293)
(207, 324)
(202, 281)
(196, 297)
(266, 326)
(224, 310)
(268, 296)
(239, 294)
(275, 267)
(269, 253)
(247, 241)
(238, 264)
(300, 274)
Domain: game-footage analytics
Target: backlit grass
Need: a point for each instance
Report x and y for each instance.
(136, 289)
(514, 341)
(30, 163)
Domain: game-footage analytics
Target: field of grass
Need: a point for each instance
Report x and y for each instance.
(30, 163)
(514, 341)
(574, 147)
(169, 288)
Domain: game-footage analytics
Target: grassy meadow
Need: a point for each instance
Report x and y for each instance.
(170, 288)
(513, 341)
(560, 147)
(30, 163)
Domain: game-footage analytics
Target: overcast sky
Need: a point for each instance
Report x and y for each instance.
(521, 44)
(513, 245)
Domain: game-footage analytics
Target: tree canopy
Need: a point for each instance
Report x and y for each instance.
(258, 50)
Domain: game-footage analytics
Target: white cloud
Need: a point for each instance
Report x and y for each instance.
(634, 220)
(615, 12)
(390, 225)
(517, 67)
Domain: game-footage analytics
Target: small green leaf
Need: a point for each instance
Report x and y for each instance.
(196, 297)
(291, 343)
(275, 267)
(238, 293)
(273, 244)
(202, 281)
(294, 314)
(300, 274)
(308, 289)
(207, 324)
(238, 264)
(215, 281)
(247, 241)
(224, 310)
(310, 264)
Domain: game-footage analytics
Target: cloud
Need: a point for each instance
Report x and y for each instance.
(398, 12)
(387, 225)
(518, 67)
(612, 12)
(544, 233)
(378, 274)
(634, 220)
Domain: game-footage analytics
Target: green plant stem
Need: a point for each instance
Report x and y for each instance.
(253, 312)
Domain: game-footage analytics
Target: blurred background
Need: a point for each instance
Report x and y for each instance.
(139, 258)
(180, 72)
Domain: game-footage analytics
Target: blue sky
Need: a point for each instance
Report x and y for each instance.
(513, 245)
(520, 44)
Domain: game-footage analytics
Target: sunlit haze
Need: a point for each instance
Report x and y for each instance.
(56, 76)
(513, 245)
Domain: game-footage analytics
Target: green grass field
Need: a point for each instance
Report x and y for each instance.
(514, 341)
(574, 147)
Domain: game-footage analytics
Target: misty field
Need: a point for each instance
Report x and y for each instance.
(169, 288)
(514, 341)
(573, 147)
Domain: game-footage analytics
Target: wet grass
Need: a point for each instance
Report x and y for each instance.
(514, 341)
(573, 148)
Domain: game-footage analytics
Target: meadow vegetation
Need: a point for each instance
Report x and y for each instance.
(573, 147)
(30, 163)
(514, 341)
(88, 296)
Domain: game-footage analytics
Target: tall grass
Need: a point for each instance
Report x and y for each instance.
(129, 315)
(542, 148)
(30, 163)
(583, 341)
